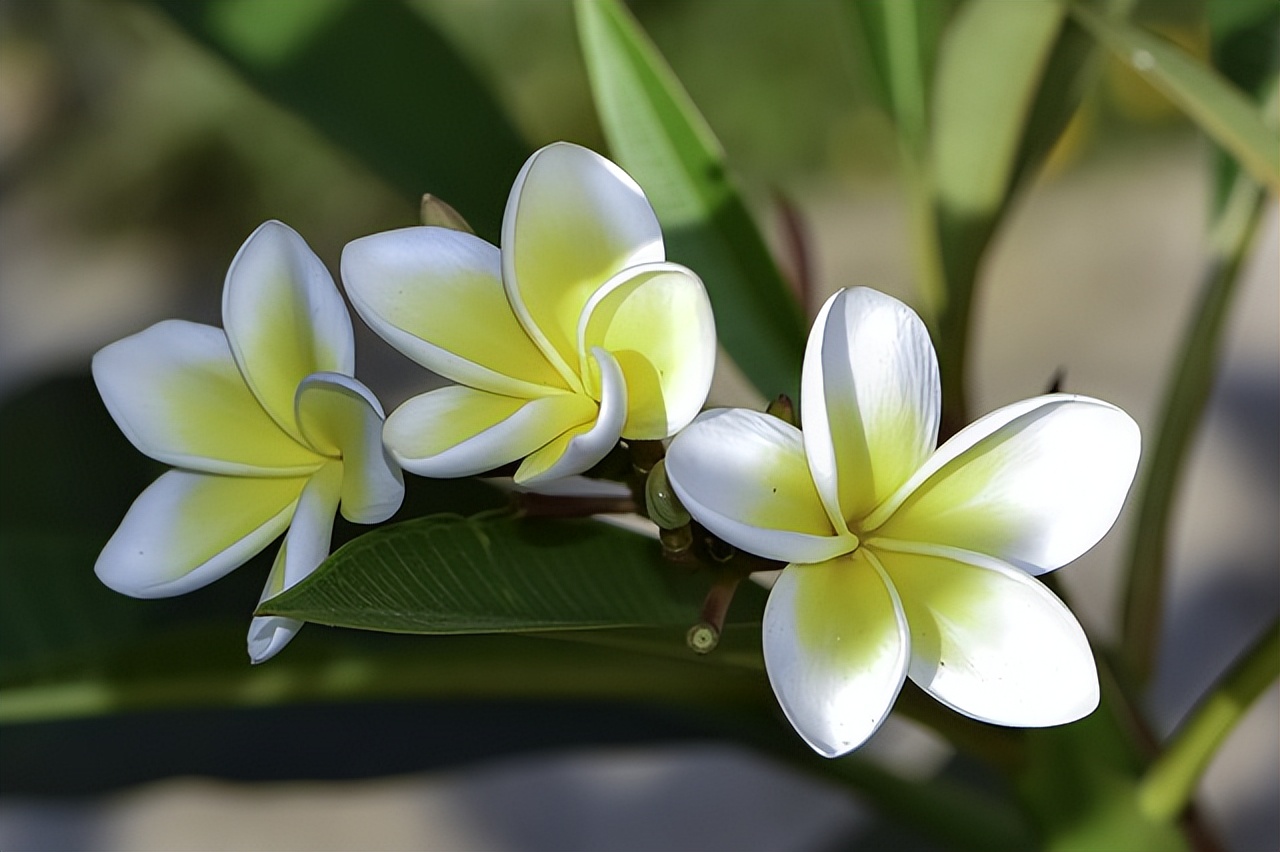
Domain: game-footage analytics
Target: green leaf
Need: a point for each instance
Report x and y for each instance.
(1185, 397)
(1220, 109)
(1171, 781)
(901, 42)
(657, 134)
(379, 80)
(495, 574)
(1244, 38)
(901, 45)
(990, 72)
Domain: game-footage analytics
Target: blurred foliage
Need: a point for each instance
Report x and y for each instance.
(119, 122)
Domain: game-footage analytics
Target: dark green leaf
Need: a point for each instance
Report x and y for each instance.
(1244, 40)
(448, 574)
(378, 80)
(657, 134)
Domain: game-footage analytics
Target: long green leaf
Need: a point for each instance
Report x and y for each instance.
(990, 71)
(448, 574)
(1171, 781)
(657, 134)
(1185, 398)
(378, 80)
(901, 44)
(1220, 109)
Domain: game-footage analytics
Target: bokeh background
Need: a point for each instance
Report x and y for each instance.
(133, 162)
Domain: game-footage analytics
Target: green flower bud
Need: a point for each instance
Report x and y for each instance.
(661, 502)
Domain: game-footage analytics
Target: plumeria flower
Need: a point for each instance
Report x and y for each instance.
(264, 425)
(906, 560)
(576, 333)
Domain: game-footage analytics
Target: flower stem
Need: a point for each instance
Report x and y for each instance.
(1171, 780)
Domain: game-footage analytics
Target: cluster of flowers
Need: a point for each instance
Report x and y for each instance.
(905, 559)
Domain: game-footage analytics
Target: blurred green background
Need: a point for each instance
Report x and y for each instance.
(133, 162)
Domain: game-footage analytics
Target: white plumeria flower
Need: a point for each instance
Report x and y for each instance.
(264, 424)
(906, 561)
(578, 332)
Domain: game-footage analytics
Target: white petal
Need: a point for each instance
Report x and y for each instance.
(742, 475)
(990, 641)
(869, 400)
(1035, 484)
(655, 319)
(188, 529)
(268, 634)
(305, 546)
(437, 296)
(581, 448)
(284, 318)
(567, 486)
(175, 392)
(341, 417)
(835, 648)
(459, 431)
(573, 221)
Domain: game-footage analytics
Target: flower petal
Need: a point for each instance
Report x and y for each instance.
(1035, 484)
(655, 319)
(175, 392)
(835, 648)
(268, 634)
(459, 431)
(305, 546)
(284, 318)
(582, 447)
(341, 417)
(437, 296)
(188, 529)
(990, 641)
(869, 400)
(573, 221)
(742, 475)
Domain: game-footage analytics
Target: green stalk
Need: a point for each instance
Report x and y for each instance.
(1185, 399)
(1170, 782)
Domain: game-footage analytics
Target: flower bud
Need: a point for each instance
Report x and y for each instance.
(661, 502)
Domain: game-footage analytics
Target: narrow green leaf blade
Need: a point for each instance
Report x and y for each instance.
(1220, 109)
(657, 134)
(380, 81)
(900, 43)
(1171, 782)
(988, 76)
(448, 574)
(990, 71)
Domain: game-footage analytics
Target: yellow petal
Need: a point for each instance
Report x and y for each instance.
(991, 642)
(284, 318)
(175, 392)
(459, 431)
(188, 529)
(656, 320)
(869, 400)
(437, 296)
(341, 417)
(1035, 484)
(742, 475)
(573, 221)
(835, 648)
(582, 447)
